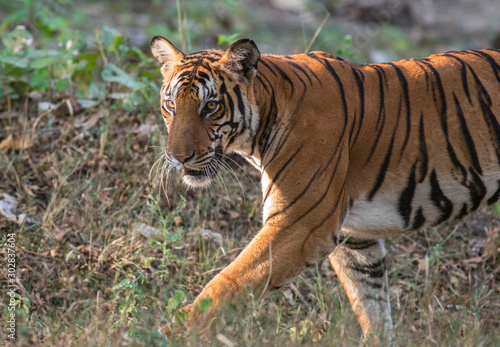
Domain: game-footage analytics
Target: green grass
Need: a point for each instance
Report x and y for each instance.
(85, 278)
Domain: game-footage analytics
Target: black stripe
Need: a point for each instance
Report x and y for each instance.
(383, 168)
(278, 174)
(301, 69)
(381, 85)
(426, 73)
(320, 199)
(444, 119)
(332, 72)
(424, 159)
(223, 88)
(314, 74)
(296, 199)
(462, 213)
(230, 104)
(377, 284)
(494, 65)
(463, 73)
(488, 116)
(404, 84)
(354, 244)
(381, 112)
(477, 189)
(418, 220)
(267, 65)
(495, 195)
(203, 75)
(439, 199)
(267, 120)
(263, 84)
(329, 185)
(305, 87)
(328, 216)
(406, 197)
(468, 138)
(374, 270)
(358, 78)
(241, 106)
(284, 76)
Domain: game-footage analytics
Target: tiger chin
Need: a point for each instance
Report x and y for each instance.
(349, 154)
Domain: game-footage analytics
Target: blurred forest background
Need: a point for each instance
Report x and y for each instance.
(104, 257)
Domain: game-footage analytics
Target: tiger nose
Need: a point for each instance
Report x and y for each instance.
(182, 158)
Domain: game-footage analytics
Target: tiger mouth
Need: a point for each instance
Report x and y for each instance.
(191, 172)
(209, 170)
(203, 174)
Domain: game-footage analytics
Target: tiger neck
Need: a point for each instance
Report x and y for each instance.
(268, 89)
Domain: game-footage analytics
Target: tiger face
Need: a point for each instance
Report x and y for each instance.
(207, 104)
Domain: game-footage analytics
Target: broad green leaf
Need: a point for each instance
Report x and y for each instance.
(42, 53)
(227, 38)
(96, 91)
(172, 305)
(40, 80)
(108, 35)
(205, 304)
(117, 41)
(180, 295)
(13, 60)
(44, 62)
(112, 73)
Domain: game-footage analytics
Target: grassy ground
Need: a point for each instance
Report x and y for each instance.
(86, 278)
(91, 272)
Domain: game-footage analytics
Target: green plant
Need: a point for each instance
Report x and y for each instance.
(127, 297)
(117, 71)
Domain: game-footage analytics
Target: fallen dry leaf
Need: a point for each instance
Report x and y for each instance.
(8, 206)
(178, 221)
(233, 214)
(16, 142)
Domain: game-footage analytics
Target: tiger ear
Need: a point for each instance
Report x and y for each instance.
(241, 58)
(165, 52)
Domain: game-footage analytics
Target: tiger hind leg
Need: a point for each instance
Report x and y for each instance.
(360, 266)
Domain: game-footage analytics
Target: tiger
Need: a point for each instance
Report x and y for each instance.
(349, 155)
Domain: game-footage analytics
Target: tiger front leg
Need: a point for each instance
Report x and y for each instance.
(360, 266)
(272, 258)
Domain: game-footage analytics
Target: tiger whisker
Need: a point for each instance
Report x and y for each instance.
(239, 166)
(232, 173)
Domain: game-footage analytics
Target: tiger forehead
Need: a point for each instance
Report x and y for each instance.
(195, 73)
(198, 63)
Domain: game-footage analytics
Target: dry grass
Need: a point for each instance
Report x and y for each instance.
(85, 278)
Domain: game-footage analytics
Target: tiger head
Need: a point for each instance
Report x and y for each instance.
(208, 105)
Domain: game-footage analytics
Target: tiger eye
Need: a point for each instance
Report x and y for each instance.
(170, 104)
(211, 105)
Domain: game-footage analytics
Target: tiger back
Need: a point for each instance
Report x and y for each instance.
(349, 155)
